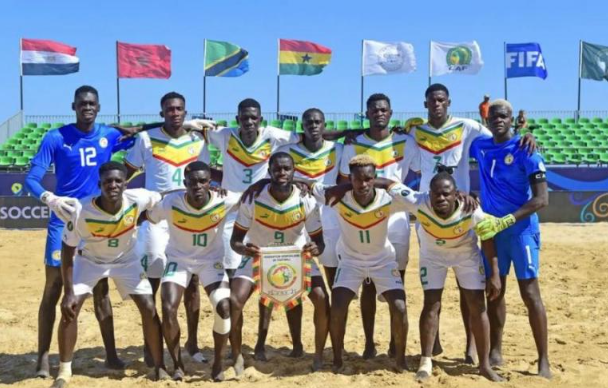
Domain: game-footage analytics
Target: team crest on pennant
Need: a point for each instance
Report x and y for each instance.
(282, 276)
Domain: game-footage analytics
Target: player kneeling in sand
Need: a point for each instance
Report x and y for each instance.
(364, 254)
(448, 240)
(195, 217)
(102, 233)
(280, 215)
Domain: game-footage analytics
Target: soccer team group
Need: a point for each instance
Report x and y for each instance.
(344, 205)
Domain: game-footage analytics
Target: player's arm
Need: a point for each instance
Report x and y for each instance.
(237, 243)
(493, 285)
(316, 246)
(69, 301)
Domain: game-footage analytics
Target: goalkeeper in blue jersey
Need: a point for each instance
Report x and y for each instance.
(513, 189)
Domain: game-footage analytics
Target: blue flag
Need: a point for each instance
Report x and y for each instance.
(525, 60)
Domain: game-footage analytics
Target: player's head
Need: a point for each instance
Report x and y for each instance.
(486, 98)
(249, 117)
(443, 193)
(86, 104)
(437, 101)
(197, 179)
(500, 117)
(173, 110)
(112, 180)
(362, 174)
(313, 123)
(522, 113)
(379, 110)
(280, 169)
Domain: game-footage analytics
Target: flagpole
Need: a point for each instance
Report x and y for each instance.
(20, 76)
(362, 78)
(117, 87)
(430, 59)
(505, 60)
(204, 79)
(580, 69)
(278, 77)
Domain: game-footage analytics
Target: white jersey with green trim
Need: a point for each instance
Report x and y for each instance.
(194, 234)
(448, 145)
(244, 165)
(363, 229)
(108, 238)
(269, 222)
(321, 166)
(436, 234)
(164, 158)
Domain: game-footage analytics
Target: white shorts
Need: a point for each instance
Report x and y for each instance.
(232, 260)
(209, 271)
(152, 242)
(468, 267)
(245, 270)
(129, 277)
(386, 277)
(329, 257)
(399, 236)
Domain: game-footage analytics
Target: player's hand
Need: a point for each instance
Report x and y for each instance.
(334, 194)
(528, 141)
(199, 125)
(350, 137)
(68, 307)
(127, 132)
(254, 190)
(304, 188)
(63, 207)
(493, 287)
(251, 250)
(469, 202)
(312, 249)
(408, 125)
(222, 192)
(491, 226)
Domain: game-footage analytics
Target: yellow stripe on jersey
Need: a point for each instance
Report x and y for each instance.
(315, 165)
(384, 153)
(363, 219)
(248, 157)
(449, 231)
(176, 154)
(198, 223)
(279, 219)
(440, 141)
(113, 229)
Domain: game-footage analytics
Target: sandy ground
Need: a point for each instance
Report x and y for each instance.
(573, 281)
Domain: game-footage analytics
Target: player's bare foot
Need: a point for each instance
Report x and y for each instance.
(115, 363)
(59, 383)
(43, 369)
(259, 354)
(496, 358)
(239, 365)
(178, 375)
(338, 367)
(369, 352)
(544, 369)
(195, 353)
(148, 358)
(161, 374)
(217, 374)
(489, 374)
(317, 363)
(470, 359)
(297, 352)
(437, 348)
(218, 378)
(422, 376)
(400, 366)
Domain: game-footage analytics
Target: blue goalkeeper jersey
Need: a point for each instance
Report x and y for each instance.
(505, 170)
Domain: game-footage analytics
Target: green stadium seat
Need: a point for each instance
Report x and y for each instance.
(13, 141)
(540, 131)
(570, 120)
(558, 158)
(14, 153)
(355, 124)
(140, 123)
(572, 138)
(29, 153)
(531, 121)
(590, 158)
(597, 120)
(596, 131)
(3, 153)
(289, 125)
(603, 125)
(32, 125)
(126, 124)
(7, 146)
(394, 123)
(562, 126)
(329, 124)
(59, 125)
(576, 126)
(574, 159)
(556, 120)
(603, 157)
(342, 125)
(6, 161)
(568, 131)
(550, 143)
(224, 123)
(580, 144)
(366, 124)
(547, 125)
(273, 123)
(119, 156)
(264, 123)
(45, 125)
(583, 120)
(542, 121)
(299, 128)
(594, 143)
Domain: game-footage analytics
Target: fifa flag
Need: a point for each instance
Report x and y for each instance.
(297, 57)
(455, 58)
(525, 60)
(594, 64)
(143, 60)
(47, 57)
(387, 58)
(223, 59)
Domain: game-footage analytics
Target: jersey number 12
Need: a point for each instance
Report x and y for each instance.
(87, 156)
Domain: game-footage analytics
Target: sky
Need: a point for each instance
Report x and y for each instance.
(94, 28)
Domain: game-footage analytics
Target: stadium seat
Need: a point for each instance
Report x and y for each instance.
(32, 125)
(21, 161)
(394, 123)
(570, 120)
(583, 120)
(235, 124)
(556, 120)
(342, 125)
(580, 144)
(45, 125)
(289, 125)
(597, 120)
(603, 158)
(264, 123)
(590, 158)
(355, 124)
(59, 125)
(119, 156)
(299, 128)
(6, 161)
(573, 159)
(531, 121)
(224, 123)
(596, 131)
(329, 124)
(558, 158)
(273, 123)
(366, 124)
(540, 131)
(7, 146)
(29, 153)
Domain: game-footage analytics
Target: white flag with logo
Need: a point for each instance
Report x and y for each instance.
(455, 58)
(387, 58)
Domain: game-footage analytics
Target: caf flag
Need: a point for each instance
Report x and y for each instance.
(143, 61)
(525, 60)
(455, 58)
(594, 63)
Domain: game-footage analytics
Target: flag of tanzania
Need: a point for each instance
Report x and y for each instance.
(298, 57)
(223, 59)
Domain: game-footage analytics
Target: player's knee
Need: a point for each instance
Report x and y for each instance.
(147, 308)
(476, 306)
(220, 298)
(169, 309)
(236, 303)
(318, 296)
(432, 306)
(399, 307)
(532, 299)
(223, 308)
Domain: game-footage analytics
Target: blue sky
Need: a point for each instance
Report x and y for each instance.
(94, 27)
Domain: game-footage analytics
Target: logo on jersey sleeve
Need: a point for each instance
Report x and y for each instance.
(439, 141)
(248, 156)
